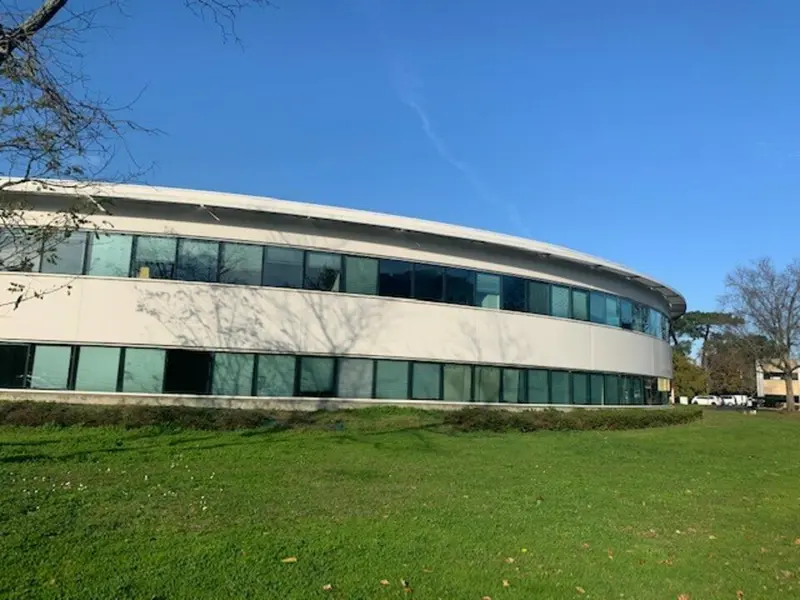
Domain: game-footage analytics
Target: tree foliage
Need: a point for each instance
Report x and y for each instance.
(767, 300)
(698, 326)
(689, 379)
(731, 361)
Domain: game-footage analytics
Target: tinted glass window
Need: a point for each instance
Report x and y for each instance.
(187, 372)
(597, 308)
(425, 381)
(513, 390)
(626, 391)
(428, 282)
(391, 379)
(13, 360)
(317, 376)
(355, 378)
(110, 255)
(580, 388)
(233, 374)
(487, 384)
(283, 267)
(612, 311)
(241, 263)
(323, 271)
(655, 323)
(457, 383)
(637, 391)
(538, 387)
(67, 256)
(20, 249)
(513, 297)
(664, 327)
(559, 387)
(559, 301)
(275, 376)
(394, 279)
(51, 367)
(361, 275)
(626, 314)
(459, 286)
(539, 298)
(596, 391)
(612, 389)
(154, 257)
(144, 371)
(98, 369)
(580, 305)
(488, 290)
(198, 260)
(639, 319)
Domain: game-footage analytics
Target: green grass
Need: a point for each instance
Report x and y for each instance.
(706, 509)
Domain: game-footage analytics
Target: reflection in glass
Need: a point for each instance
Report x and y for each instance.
(580, 388)
(198, 260)
(355, 378)
(459, 286)
(323, 271)
(539, 298)
(457, 383)
(487, 384)
(98, 369)
(513, 293)
(51, 367)
(155, 257)
(559, 387)
(143, 371)
(232, 374)
(110, 255)
(317, 376)
(425, 381)
(283, 267)
(67, 256)
(488, 290)
(275, 376)
(361, 275)
(538, 387)
(241, 264)
(559, 303)
(428, 282)
(513, 390)
(394, 279)
(391, 379)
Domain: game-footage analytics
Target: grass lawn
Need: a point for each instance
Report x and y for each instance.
(709, 510)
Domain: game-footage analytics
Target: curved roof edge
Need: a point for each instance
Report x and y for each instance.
(676, 301)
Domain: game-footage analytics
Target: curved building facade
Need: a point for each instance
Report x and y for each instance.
(215, 299)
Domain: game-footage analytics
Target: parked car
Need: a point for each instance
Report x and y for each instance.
(734, 400)
(706, 400)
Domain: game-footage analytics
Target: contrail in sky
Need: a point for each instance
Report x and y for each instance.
(408, 88)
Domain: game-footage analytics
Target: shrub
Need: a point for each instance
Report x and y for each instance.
(491, 419)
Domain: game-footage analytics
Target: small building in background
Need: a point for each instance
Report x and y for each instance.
(770, 383)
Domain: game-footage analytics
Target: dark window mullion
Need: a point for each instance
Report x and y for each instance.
(121, 369)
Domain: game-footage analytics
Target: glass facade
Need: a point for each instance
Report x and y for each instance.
(162, 257)
(196, 372)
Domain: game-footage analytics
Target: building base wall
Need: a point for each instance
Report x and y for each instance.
(278, 404)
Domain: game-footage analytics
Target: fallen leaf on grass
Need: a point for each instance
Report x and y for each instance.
(486, 598)
(505, 583)
(786, 574)
(289, 559)
(580, 590)
(610, 554)
(684, 597)
(712, 537)
(327, 587)
(509, 560)
(585, 546)
(739, 595)
(427, 570)
(384, 582)
(764, 550)
(797, 542)
(524, 550)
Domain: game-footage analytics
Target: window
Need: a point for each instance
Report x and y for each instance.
(241, 263)
(323, 271)
(20, 249)
(513, 293)
(539, 298)
(654, 328)
(233, 374)
(612, 389)
(559, 301)
(580, 388)
(361, 275)
(187, 372)
(283, 267)
(13, 362)
(538, 387)
(626, 314)
(596, 385)
(664, 327)
(67, 256)
(425, 381)
(637, 391)
(650, 391)
(597, 308)
(394, 279)
(143, 372)
(513, 390)
(457, 383)
(51, 367)
(317, 376)
(110, 255)
(487, 384)
(275, 376)
(612, 311)
(559, 387)
(198, 260)
(391, 379)
(98, 369)
(154, 257)
(459, 287)
(488, 288)
(355, 378)
(428, 282)
(640, 319)
(580, 305)
(626, 391)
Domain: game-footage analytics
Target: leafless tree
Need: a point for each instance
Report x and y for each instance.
(56, 130)
(768, 301)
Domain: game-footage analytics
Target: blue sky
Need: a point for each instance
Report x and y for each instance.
(662, 135)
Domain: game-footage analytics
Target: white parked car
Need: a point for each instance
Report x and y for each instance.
(734, 400)
(706, 400)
